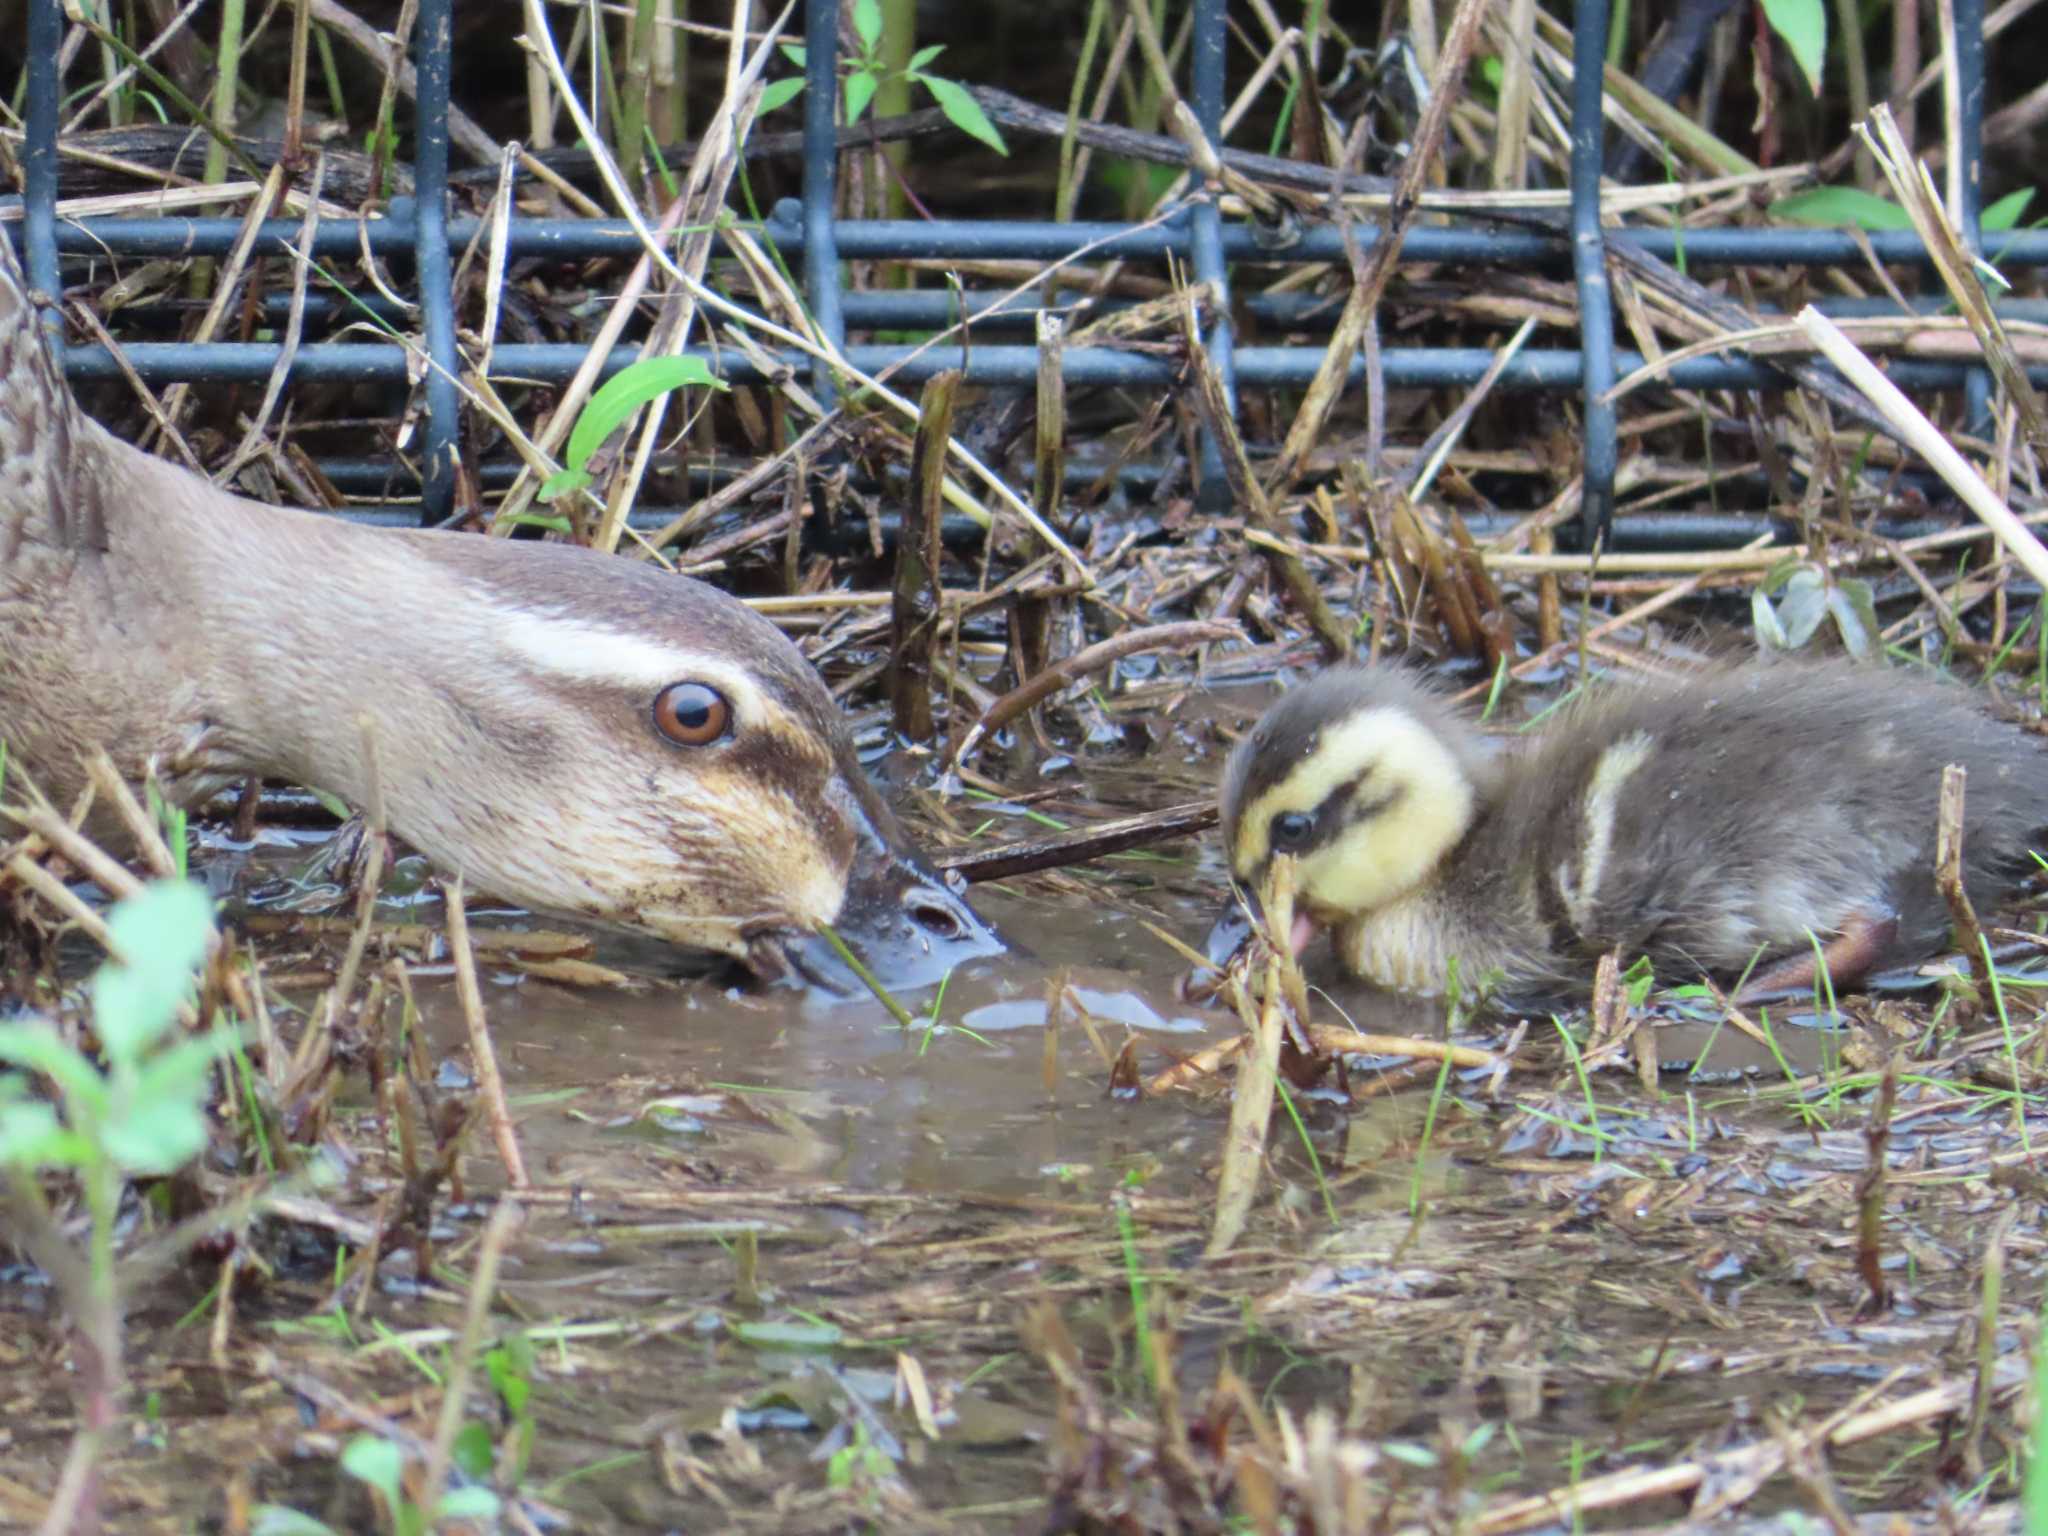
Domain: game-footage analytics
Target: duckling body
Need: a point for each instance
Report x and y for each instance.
(1713, 822)
(521, 696)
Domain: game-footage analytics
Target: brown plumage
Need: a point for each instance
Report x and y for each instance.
(511, 689)
(1710, 821)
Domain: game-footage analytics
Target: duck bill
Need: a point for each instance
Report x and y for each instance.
(1240, 919)
(900, 920)
(903, 924)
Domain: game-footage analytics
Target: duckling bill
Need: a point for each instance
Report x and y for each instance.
(577, 733)
(1721, 823)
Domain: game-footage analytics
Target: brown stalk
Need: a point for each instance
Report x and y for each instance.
(1071, 669)
(490, 1085)
(916, 601)
(1320, 399)
(1056, 850)
(1870, 1190)
(1948, 877)
(1049, 462)
(1217, 416)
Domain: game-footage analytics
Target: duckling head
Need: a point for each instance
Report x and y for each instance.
(1366, 779)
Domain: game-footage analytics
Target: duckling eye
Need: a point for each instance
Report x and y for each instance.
(691, 714)
(1292, 830)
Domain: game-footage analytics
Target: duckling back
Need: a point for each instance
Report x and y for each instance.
(1740, 814)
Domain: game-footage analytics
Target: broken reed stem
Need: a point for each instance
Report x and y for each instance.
(481, 1051)
(149, 843)
(1050, 459)
(1176, 636)
(1985, 1383)
(369, 879)
(1870, 1191)
(1324, 390)
(916, 601)
(1328, 1040)
(483, 1285)
(1921, 435)
(1948, 877)
(1057, 850)
(1957, 268)
(1213, 401)
(1258, 1067)
(1251, 1111)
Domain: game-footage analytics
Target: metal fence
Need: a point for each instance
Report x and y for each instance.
(1199, 239)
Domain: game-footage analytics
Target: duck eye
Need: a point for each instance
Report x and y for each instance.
(1292, 830)
(691, 714)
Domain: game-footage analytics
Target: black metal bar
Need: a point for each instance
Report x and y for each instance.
(1408, 367)
(1589, 262)
(1212, 490)
(821, 180)
(1969, 16)
(1029, 240)
(39, 147)
(432, 39)
(929, 309)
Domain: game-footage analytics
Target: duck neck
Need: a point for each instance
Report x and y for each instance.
(222, 637)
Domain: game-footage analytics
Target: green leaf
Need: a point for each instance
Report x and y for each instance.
(38, 1048)
(278, 1520)
(860, 90)
(32, 1137)
(564, 482)
(780, 93)
(161, 934)
(2007, 211)
(473, 1451)
(1803, 606)
(1854, 607)
(794, 52)
(625, 392)
(800, 1336)
(964, 112)
(159, 1137)
(867, 23)
(1770, 634)
(1804, 26)
(468, 1504)
(177, 1073)
(377, 1462)
(1837, 206)
(924, 56)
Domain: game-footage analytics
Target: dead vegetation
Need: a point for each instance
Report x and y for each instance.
(1529, 1271)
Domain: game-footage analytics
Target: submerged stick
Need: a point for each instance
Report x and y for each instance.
(1058, 849)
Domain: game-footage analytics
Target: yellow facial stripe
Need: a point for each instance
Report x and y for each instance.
(1342, 755)
(1378, 860)
(1617, 764)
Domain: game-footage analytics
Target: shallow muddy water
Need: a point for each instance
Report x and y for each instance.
(751, 1208)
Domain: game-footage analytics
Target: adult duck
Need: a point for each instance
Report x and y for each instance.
(580, 734)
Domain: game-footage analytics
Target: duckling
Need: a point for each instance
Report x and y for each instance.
(1716, 821)
(577, 733)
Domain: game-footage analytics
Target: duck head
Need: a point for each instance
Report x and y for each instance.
(1366, 779)
(582, 734)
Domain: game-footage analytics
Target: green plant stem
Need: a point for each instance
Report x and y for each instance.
(227, 65)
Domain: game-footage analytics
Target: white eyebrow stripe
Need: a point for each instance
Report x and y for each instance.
(579, 652)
